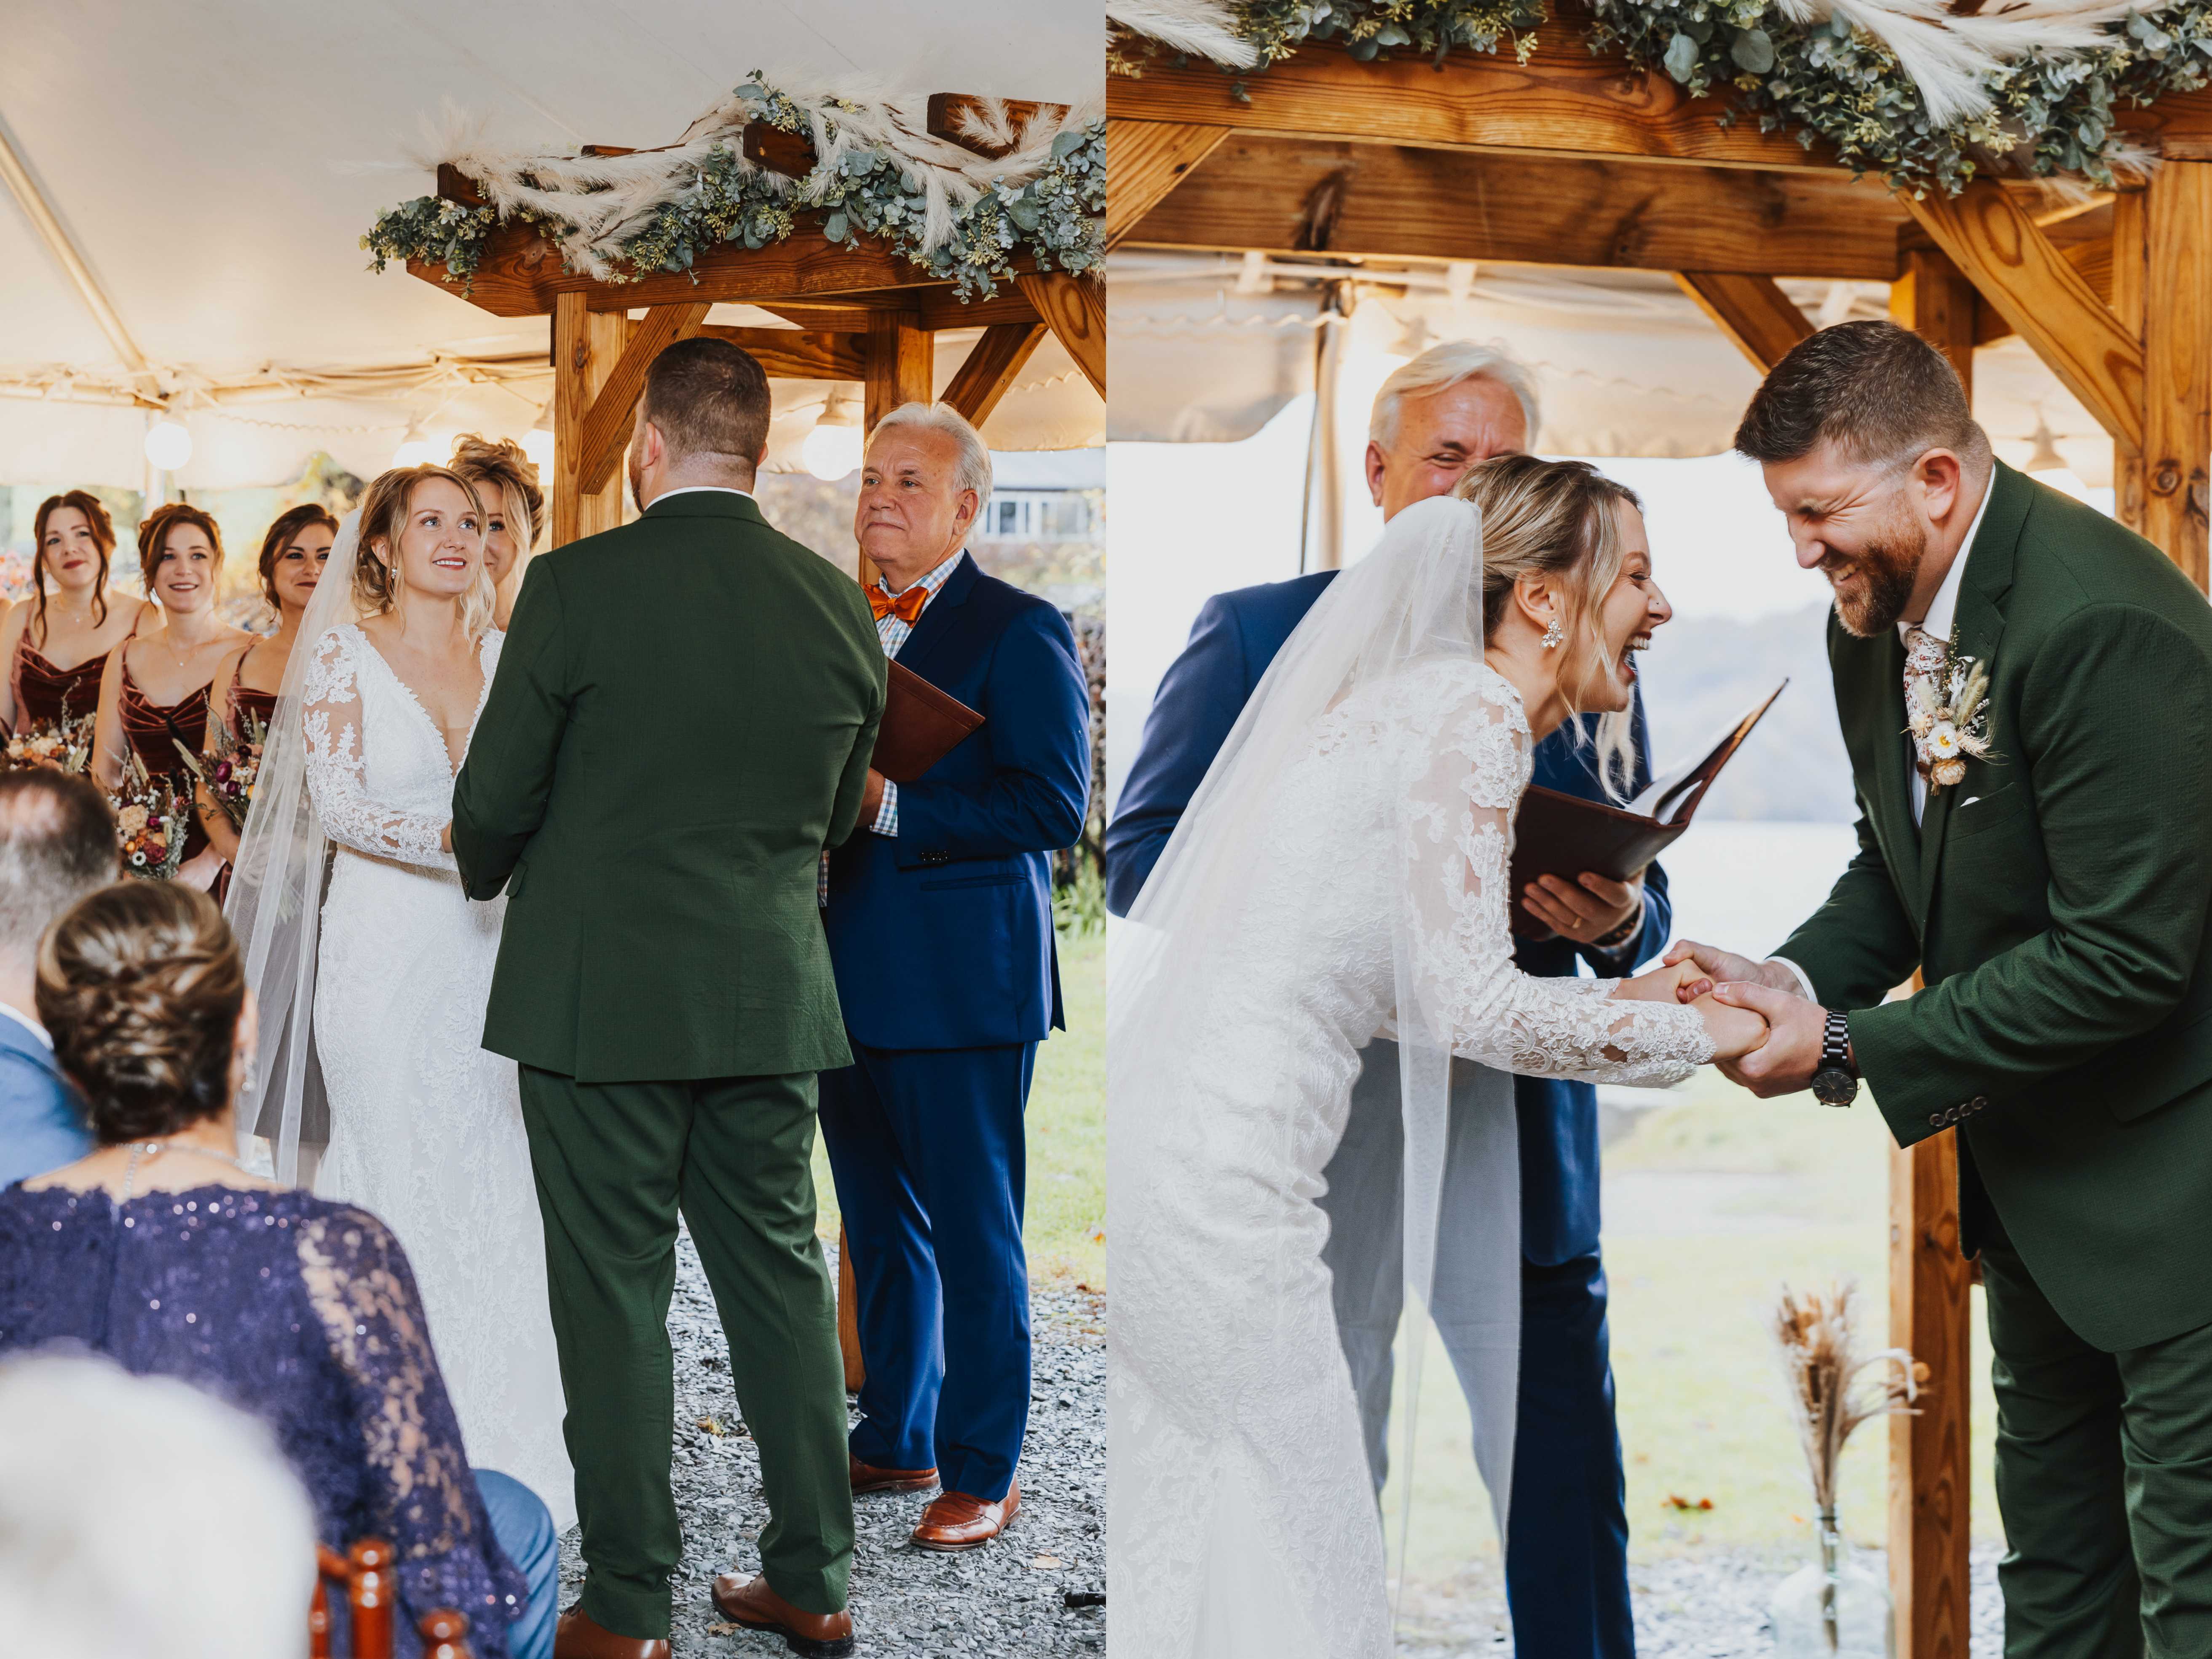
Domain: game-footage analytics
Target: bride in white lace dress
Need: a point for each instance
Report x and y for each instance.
(426, 1127)
(1341, 875)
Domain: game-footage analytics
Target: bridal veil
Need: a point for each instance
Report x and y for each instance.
(1414, 601)
(275, 907)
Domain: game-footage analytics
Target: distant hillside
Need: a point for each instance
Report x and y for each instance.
(1700, 675)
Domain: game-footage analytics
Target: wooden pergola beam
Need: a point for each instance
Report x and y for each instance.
(1145, 160)
(1075, 308)
(901, 359)
(792, 353)
(587, 346)
(606, 423)
(1563, 99)
(1761, 321)
(991, 365)
(2177, 345)
(2014, 267)
(1410, 201)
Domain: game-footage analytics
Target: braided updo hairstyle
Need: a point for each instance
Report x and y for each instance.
(141, 985)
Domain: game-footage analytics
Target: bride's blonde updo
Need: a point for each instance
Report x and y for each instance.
(1560, 520)
(384, 509)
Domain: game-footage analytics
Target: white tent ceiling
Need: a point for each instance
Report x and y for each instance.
(217, 163)
(1205, 349)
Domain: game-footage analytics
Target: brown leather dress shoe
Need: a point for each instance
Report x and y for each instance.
(577, 1637)
(751, 1603)
(955, 1522)
(867, 1478)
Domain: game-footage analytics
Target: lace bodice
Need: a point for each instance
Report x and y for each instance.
(300, 1311)
(377, 763)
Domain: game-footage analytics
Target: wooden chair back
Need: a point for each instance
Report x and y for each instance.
(370, 1586)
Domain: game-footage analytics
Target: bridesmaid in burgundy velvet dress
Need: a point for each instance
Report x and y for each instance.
(56, 642)
(293, 555)
(154, 693)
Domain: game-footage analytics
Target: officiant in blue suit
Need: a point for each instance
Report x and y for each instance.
(1567, 1554)
(940, 918)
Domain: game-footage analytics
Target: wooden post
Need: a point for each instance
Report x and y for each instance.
(2131, 277)
(901, 360)
(2177, 336)
(1930, 1472)
(1933, 298)
(587, 346)
(849, 1316)
(1929, 1468)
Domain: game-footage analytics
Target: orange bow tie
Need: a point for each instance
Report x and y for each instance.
(905, 605)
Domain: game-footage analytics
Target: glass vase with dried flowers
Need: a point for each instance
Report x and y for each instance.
(1834, 1608)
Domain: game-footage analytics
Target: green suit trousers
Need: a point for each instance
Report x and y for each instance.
(616, 1163)
(2104, 1474)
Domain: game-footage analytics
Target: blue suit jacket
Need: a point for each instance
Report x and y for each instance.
(1234, 638)
(941, 935)
(41, 1119)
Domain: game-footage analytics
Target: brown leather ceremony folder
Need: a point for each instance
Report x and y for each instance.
(921, 726)
(1559, 835)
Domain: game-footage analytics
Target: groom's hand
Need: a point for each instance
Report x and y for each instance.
(1786, 1062)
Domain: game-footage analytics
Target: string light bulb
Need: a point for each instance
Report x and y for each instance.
(834, 448)
(168, 444)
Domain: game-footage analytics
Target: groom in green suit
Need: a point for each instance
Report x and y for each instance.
(681, 723)
(2025, 693)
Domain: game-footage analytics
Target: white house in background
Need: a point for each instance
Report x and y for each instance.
(1045, 496)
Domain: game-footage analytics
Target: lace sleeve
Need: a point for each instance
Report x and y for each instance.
(337, 771)
(1465, 770)
(425, 1499)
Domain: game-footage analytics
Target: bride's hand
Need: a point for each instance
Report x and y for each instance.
(1666, 983)
(1734, 1031)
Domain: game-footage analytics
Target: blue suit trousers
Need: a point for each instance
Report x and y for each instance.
(928, 1150)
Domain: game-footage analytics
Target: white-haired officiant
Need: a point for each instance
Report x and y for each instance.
(1456, 404)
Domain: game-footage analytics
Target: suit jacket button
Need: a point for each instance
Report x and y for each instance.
(1935, 1120)
(1980, 1101)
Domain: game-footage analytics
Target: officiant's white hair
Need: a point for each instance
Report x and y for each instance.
(973, 469)
(1447, 365)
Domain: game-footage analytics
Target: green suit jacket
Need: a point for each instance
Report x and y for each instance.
(681, 722)
(2056, 903)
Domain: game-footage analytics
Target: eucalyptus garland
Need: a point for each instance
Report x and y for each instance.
(1056, 214)
(2049, 112)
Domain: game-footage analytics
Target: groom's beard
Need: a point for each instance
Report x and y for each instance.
(1874, 585)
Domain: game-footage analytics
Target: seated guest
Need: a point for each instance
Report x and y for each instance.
(940, 919)
(160, 1249)
(96, 1468)
(56, 844)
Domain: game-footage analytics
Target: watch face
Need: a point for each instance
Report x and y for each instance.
(1833, 1086)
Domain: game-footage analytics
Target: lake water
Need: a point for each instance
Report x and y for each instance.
(1745, 886)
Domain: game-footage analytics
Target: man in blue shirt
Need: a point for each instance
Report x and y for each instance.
(56, 844)
(1567, 1555)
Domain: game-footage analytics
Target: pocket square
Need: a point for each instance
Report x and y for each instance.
(1969, 801)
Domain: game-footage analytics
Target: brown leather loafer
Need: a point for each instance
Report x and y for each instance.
(867, 1478)
(955, 1522)
(751, 1603)
(577, 1637)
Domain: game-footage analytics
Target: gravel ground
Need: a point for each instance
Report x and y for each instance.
(1008, 1598)
(1711, 1605)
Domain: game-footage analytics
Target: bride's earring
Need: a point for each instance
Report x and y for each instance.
(1552, 637)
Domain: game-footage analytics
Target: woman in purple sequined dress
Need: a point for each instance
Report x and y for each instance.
(161, 1251)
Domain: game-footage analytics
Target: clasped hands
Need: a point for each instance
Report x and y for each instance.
(1766, 1035)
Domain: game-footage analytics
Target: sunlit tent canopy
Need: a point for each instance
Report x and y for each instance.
(186, 190)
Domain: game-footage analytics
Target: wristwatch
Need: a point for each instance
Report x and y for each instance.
(1837, 1082)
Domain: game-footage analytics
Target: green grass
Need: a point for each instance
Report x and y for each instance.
(1067, 1212)
(1702, 1411)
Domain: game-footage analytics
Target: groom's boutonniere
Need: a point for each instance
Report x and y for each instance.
(1947, 710)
